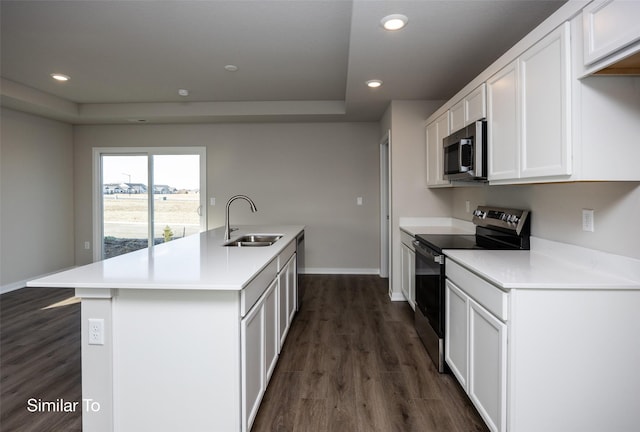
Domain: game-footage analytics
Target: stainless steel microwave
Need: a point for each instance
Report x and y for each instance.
(465, 153)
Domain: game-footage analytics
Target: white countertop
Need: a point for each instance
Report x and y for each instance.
(436, 225)
(534, 270)
(197, 262)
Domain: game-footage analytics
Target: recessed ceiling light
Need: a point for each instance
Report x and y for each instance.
(394, 22)
(374, 83)
(60, 77)
(183, 92)
(231, 68)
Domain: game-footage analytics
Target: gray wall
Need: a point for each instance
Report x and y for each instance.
(557, 211)
(36, 197)
(302, 173)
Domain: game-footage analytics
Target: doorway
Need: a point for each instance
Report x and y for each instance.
(385, 205)
(145, 197)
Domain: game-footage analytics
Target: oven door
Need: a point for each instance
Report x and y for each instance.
(430, 286)
(429, 314)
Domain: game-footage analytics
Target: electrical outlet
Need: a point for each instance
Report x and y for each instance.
(87, 245)
(96, 331)
(212, 201)
(359, 201)
(587, 220)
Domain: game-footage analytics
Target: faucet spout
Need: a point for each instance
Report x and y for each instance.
(227, 226)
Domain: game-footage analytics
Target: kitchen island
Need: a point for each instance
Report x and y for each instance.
(183, 335)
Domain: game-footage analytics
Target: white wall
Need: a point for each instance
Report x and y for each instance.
(302, 173)
(410, 196)
(557, 211)
(36, 197)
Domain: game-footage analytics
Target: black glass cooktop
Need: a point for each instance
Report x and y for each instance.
(448, 241)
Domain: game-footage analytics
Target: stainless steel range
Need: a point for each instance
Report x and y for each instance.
(496, 228)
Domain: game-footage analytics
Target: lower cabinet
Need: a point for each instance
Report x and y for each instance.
(407, 281)
(488, 366)
(288, 289)
(263, 331)
(476, 352)
(259, 352)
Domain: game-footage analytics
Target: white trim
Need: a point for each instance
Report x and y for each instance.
(397, 296)
(337, 271)
(24, 282)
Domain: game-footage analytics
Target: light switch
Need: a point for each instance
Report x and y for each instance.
(212, 201)
(359, 201)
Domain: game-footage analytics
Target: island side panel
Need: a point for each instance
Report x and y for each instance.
(97, 361)
(177, 360)
(574, 360)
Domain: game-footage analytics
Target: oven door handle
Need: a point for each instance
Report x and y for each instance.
(422, 250)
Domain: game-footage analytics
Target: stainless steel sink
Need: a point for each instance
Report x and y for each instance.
(254, 240)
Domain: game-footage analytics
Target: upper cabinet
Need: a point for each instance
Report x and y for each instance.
(611, 32)
(528, 116)
(473, 107)
(435, 132)
(550, 117)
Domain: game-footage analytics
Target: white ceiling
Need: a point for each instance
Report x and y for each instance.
(297, 59)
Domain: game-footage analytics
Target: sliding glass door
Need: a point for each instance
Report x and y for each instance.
(147, 196)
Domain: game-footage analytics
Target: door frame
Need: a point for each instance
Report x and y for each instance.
(385, 205)
(98, 234)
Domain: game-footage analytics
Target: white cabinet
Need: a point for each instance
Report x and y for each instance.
(435, 132)
(271, 338)
(456, 348)
(408, 264)
(472, 108)
(476, 342)
(528, 113)
(488, 366)
(287, 288)
(611, 31)
(456, 116)
(475, 105)
(503, 124)
(252, 332)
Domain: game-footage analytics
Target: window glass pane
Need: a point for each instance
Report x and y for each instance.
(176, 196)
(125, 206)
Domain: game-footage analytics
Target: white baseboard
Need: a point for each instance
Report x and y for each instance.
(351, 271)
(23, 283)
(13, 286)
(397, 296)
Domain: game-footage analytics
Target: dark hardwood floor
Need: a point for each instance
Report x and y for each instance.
(39, 359)
(352, 362)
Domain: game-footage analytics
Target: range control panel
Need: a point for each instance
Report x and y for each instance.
(510, 219)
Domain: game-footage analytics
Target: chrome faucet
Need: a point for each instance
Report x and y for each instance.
(227, 227)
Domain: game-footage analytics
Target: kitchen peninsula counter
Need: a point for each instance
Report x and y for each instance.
(197, 262)
(183, 335)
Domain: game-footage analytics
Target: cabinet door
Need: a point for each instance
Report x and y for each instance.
(609, 26)
(435, 132)
(456, 335)
(292, 289)
(253, 359)
(283, 321)
(545, 95)
(488, 366)
(407, 281)
(503, 124)
(475, 105)
(271, 337)
(456, 114)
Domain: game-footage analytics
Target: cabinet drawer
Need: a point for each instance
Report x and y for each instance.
(286, 254)
(491, 297)
(252, 292)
